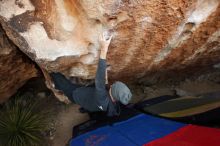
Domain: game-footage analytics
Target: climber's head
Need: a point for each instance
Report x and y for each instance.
(120, 92)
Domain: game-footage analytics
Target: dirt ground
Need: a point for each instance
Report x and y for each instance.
(66, 119)
(67, 116)
(63, 117)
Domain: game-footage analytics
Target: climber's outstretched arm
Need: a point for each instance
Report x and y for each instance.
(101, 71)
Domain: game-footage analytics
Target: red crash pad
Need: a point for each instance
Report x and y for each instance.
(190, 135)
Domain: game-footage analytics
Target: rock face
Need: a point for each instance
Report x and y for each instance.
(15, 68)
(153, 39)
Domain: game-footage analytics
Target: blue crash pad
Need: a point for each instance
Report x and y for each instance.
(105, 136)
(135, 131)
(143, 128)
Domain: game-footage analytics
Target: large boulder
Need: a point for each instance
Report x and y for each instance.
(153, 39)
(15, 68)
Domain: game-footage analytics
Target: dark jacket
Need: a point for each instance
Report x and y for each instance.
(97, 98)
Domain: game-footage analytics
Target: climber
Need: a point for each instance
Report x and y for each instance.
(96, 98)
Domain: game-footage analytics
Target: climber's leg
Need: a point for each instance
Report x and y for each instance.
(63, 84)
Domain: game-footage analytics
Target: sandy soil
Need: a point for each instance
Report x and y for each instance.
(66, 119)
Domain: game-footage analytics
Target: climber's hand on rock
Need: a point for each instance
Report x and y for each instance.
(105, 39)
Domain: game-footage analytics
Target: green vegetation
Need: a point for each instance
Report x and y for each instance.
(22, 122)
